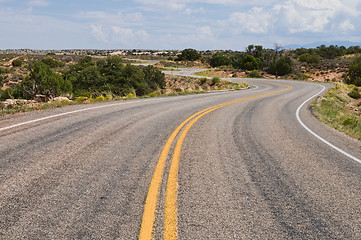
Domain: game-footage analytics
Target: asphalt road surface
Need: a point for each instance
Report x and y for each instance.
(247, 170)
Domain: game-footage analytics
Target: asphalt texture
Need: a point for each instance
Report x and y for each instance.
(247, 171)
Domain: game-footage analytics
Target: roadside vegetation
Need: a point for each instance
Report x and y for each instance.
(324, 63)
(44, 82)
(341, 108)
(179, 85)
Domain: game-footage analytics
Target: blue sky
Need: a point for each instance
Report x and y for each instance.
(176, 24)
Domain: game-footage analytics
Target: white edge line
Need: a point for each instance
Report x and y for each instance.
(83, 110)
(68, 113)
(317, 136)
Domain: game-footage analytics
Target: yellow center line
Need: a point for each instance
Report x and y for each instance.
(153, 192)
(170, 211)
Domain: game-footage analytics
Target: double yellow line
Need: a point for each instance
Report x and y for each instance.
(170, 207)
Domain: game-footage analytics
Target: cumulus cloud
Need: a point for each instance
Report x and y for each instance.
(254, 21)
(125, 36)
(200, 24)
(128, 36)
(347, 26)
(115, 28)
(295, 16)
(118, 18)
(97, 32)
(199, 38)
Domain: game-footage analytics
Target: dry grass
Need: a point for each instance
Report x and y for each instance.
(340, 111)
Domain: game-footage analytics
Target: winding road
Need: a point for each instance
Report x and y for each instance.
(226, 165)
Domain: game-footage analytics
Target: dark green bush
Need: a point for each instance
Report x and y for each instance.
(43, 81)
(53, 63)
(254, 74)
(112, 76)
(216, 80)
(189, 54)
(251, 63)
(311, 59)
(218, 60)
(203, 81)
(281, 66)
(10, 93)
(17, 63)
(354, 73)
(355, 93)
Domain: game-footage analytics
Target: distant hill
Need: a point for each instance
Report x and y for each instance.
(316, 44)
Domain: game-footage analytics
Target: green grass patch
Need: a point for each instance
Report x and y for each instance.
(169, 69)
(206, 73)
(40, 106)
(340, 111)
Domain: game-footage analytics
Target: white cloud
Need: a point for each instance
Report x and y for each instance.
(347, 26)
(190, 11)
(118, 18)
(115, 28)
(163, 4)
(295, 16)
(39, 3)
(180, 4)
(97, 32)
(116, 35)
(127, 36)
(205, 33)
(183, 5)
(254, 21)
(199, 38)
(200, 24)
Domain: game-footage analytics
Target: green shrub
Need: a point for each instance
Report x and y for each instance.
(81, 99)
(10, 93)
(348, 121)
(43, 81)
(152, 94)
(17, 63)
(53, 63)
(216, 80)
(218, 60)
(251, 63)
(130, 96)
(254, 74)
(100, 99)
(354, 93)
(4, 70)
(310, 58)
(203, 81)
(281, 67)
(189, 54)
(354, 73)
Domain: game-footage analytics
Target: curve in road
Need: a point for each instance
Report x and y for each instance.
(247, 171)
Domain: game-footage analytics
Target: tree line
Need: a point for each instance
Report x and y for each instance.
(255, 58)
(88, 78)
(280, 62)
